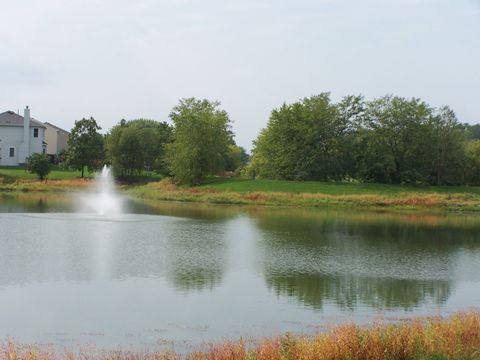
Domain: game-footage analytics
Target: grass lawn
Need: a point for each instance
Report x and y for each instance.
(330, 188)
(17, 179)
(20, 173)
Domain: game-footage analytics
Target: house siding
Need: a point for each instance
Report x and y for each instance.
(36, 143)
(13, 135)
(10, 137)
(56, 139)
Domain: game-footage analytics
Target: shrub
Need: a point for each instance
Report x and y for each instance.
(39, 164)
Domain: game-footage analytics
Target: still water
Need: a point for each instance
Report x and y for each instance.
(175, 275)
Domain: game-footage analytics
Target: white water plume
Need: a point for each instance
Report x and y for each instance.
(102, 199)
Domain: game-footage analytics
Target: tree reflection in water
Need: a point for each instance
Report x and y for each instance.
(379, 261)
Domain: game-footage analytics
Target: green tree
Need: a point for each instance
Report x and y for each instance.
(85, 146)
(236, 157)
(472, 162)
(303, 141)
(473, 131)
(39, 164)
(393, 144)
(447, 139)
(352, 110)
(201, 139)
(137, 145)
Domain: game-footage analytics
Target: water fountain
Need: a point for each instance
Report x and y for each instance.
(102, 199)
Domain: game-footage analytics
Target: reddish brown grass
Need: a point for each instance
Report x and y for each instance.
(456, 337)
(256, 196)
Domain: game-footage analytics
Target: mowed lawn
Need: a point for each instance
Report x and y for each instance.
(21, 173)
(56, 173)
(331, 188)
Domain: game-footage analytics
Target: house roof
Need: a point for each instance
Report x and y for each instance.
(56, 127)
(9, 118)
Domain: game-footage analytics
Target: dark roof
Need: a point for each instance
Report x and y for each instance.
(56, 127)
(9, 118)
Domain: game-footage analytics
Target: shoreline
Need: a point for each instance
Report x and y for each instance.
(165, 190)
(376, 201)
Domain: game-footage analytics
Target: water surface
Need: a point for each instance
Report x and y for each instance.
(177, 275)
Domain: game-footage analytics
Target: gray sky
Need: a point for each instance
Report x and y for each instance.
(114, 59)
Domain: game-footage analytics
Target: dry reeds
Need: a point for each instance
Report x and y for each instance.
(456, 338)
(168, 191)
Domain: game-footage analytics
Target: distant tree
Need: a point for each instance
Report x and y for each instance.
(472, 131)
(85, 146)
(137, 145)
(201, 139)
(352, 111)
(388, 140)
(236, 157)
(472, 162)
(39, 164)
(303, 141)
(393, 144)
(447, 140)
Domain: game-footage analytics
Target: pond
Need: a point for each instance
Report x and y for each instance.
(169, 275)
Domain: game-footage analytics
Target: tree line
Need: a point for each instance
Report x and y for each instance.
(390, 140)
(199, 143)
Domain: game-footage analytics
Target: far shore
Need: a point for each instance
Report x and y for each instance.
(273, 193)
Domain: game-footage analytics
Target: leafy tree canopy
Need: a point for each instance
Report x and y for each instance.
(137, 145)
(388, 140)
(85, 146)
(305, 140)
(201, 140)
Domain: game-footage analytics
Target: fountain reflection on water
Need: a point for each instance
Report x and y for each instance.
(102, 199)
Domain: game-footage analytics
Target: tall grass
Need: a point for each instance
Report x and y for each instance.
(456, 338)
(55, 185)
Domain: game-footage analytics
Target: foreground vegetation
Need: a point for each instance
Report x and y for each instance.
(456, 338)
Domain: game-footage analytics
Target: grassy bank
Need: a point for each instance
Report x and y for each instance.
(329, 188)
(9, 173)
(455, 338)
(314, 194)
(49, 185)
(264, 192)
(17, 179)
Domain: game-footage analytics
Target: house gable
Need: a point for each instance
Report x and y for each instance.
(13, 134)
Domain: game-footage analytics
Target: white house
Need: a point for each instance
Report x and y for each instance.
(20, 137)
(56, 139)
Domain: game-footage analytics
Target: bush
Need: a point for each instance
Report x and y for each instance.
(39, 164)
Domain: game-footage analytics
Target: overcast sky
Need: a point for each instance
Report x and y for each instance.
(114, 59)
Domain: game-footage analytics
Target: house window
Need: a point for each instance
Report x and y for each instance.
(12, 152)
(35, 132)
